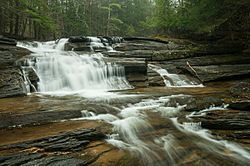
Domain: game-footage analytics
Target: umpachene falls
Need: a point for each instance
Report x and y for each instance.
(115, 101)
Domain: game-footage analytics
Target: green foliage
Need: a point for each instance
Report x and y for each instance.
(194, 15)
(43, 21)
(46, 18)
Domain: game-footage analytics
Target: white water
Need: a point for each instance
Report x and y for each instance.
(211, 144)
(174, 80)
(132, 128)
(130, 124)
(66, 72)
(70, 73)
(204, 112)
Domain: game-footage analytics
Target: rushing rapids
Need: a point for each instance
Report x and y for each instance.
(133, 131)
(146, 125)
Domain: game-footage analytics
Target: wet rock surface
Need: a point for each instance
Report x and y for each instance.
(205, 62)
(49, 150)
(62, 135)
(36, 118)
(11, 79)
(241, 90)
(154, 79)
(85, 145)
(11, 82)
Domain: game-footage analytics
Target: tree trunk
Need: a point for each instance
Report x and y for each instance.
(108, 21)
(1, 20)
(11, 18)
(24, 27)
(17, 19)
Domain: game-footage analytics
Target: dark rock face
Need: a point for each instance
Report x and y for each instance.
(11, 82)
(245, 106)
(50, 149)
(11, 79)
(136, 74)
(7, 41)
(10, 54)
(154, 79)
(135, 70)
(34, 79)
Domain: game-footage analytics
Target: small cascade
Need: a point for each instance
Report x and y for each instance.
(147, 127)
(174, 80)
(66, 71)
(130, 125)
(132, 131)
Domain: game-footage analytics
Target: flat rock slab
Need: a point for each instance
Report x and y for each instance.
(225, 120)
(49, 150)
(136, 54)
(241, 90)
(220, 72)
(9, 120)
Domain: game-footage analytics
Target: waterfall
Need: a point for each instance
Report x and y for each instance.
(67, 71)
(174, 80)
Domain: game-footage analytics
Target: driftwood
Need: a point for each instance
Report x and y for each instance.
(193, 70)
(145, 39)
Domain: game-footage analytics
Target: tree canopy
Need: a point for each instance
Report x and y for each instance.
(44, 19)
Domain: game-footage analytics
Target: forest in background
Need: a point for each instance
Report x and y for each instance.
(47, 19)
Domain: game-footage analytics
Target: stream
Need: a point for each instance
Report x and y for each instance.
(149, 124)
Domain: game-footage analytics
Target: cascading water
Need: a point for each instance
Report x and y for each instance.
(174, 80)
(132, 131)
(61, 71)
(148, 128)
